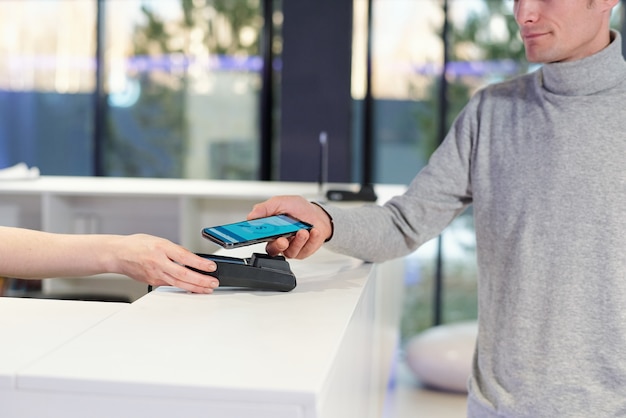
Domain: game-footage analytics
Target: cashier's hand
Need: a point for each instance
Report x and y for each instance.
(304, 243)
(159, 262)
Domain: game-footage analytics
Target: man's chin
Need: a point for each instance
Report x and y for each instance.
(536, 58)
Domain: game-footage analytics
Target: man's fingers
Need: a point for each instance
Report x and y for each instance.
(277, 246)
(296, 244)
(315, 241)
(267, 208)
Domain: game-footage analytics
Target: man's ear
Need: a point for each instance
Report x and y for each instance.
(608, 4)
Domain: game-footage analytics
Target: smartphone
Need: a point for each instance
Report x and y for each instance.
(240, 234)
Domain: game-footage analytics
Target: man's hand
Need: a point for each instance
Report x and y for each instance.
(304, 243)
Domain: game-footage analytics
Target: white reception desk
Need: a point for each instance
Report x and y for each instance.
(323, 350)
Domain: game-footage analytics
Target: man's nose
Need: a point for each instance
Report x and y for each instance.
(526, 11)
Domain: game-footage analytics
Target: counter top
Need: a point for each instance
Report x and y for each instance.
(307, 353)
(31, 328)
(117, 186)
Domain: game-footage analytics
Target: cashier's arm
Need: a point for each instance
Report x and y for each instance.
(304, 243)
(31, 254)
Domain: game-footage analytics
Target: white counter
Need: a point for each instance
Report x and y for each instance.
(323, 350)
(31, 328)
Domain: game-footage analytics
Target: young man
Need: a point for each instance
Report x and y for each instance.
(542, 159)
(31, 254)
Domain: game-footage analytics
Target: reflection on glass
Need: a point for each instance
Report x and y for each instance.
(183, 82)
(484, 47)
(406, 56)
(459, 260)
(46, 84)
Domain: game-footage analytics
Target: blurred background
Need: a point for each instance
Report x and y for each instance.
(242, 89)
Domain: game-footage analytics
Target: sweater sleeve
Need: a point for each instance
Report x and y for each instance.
(439, 193)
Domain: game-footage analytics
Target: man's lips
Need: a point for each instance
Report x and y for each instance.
(532, 35)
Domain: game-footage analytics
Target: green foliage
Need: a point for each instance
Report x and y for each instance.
(241, 15)
(492, 31)
(478, 35)
(227, 27)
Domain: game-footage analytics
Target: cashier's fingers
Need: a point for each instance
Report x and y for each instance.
(187, 258)
(178, 274)
(192, 281)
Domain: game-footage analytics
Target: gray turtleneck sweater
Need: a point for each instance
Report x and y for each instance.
(542, 159)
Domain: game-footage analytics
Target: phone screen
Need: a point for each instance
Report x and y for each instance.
(253, 231)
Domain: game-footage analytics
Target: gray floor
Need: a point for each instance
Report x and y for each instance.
(407, 398)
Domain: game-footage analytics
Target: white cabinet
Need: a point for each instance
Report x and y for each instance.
(20, 210)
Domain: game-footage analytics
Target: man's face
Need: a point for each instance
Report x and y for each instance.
(563, 30)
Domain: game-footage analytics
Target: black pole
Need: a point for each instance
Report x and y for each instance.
(442, 130)
(366, 193)
(267, 93)
(368, 167)
(100, 105)
(368, 105)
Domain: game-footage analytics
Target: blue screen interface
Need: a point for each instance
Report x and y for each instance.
(256, 229)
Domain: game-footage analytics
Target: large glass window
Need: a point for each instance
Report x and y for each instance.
(180, 84)
(406, 53)
(183, 81)
(46, 84)
(407, 57)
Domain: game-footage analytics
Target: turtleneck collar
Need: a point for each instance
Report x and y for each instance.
(600, 71)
